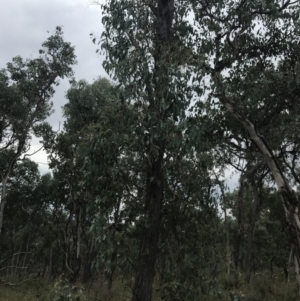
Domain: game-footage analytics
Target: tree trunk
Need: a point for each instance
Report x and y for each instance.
(25, 255)
(142, 290)
(228, 253)
(241, 230)
(2, 205)
(148, 249)
(77, 241)
(253, 218)
(226, 224)
(2, 202)
(288, 265)
(4, 179)
(90, 256)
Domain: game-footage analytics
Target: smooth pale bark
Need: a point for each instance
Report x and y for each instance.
(75, 232)
(289, 198)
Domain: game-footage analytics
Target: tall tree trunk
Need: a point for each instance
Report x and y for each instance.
(148, 249)
(142, 290)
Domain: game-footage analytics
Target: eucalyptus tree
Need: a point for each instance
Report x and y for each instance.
(67, 159)
(240, 45)
(26, 88)
(146, 44)
(90, 158)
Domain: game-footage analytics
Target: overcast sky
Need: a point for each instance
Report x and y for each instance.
(24, 25)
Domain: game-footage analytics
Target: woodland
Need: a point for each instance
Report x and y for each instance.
(135, 205)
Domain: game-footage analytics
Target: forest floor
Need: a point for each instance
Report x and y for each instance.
(262, 287)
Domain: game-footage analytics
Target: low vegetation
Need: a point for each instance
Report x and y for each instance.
(263, 286)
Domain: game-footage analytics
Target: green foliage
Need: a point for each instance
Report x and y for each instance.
(26, 91)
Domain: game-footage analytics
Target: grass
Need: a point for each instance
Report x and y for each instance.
(43, 290)
(263, 287)
(27, 290)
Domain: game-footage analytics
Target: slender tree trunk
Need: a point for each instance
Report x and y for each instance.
(226, 224)
(241, 225)
(12, 265)
(2, 205)
(253, 218)
(50, 261)
(288, 265)
(25, 255)
(113, 255)
(4, 178)
(297, 265)
(2, 202)
(228, 253)
(17, 263)
(90, 255)
(142, 290)
(77, 241)
(110, 275)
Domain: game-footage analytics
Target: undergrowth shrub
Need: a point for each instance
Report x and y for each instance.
(63, 290)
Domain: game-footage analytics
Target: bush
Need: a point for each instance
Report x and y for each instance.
(63, 290)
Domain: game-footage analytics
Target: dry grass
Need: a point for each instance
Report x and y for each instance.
(263, 287)
(42, 290)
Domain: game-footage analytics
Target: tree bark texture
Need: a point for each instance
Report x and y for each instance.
(148, 249)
